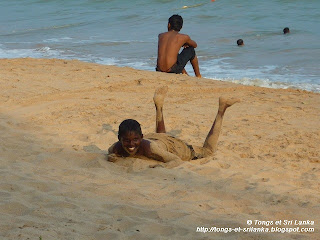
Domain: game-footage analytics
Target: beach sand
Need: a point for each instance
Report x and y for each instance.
(59, 117)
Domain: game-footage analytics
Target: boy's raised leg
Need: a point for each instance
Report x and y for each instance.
(159, 96)
(211, 141)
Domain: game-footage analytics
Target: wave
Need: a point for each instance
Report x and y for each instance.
(269, 84)
(41, 52)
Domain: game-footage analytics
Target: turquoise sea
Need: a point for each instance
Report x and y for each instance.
(124, 33)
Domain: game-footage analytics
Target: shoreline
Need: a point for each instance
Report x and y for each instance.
(58, 118)
(263, 83)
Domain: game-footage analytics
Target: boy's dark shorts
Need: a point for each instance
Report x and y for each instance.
(186, 55)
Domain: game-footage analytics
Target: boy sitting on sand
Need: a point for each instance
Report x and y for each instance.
(161, 146)
(169, 44)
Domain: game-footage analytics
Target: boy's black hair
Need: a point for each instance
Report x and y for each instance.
(129, 125)
(240, 42)
(286, 30)
(176, 22)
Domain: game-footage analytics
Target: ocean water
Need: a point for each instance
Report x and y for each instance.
(124, 33)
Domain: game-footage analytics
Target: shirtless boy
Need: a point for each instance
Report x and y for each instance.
(169, 44)
(161, 146)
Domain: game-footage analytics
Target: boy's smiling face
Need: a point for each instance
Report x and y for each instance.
(130, 142)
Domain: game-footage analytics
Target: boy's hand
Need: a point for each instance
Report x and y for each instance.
(112, 157)
(185, 72)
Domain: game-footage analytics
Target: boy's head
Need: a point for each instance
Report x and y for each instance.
(175, 23)
(286, 30)
(240, 42)
(130, 135)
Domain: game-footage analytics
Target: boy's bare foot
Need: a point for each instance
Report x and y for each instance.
(224, 103)
(159, 96)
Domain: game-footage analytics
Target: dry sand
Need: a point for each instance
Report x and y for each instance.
(59, 117)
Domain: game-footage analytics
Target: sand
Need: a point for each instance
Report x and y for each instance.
(59, 117)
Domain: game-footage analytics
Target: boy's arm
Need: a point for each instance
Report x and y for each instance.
(116, 148)
(112, 156)
(189, 42)
(111, 149)
(162, 155)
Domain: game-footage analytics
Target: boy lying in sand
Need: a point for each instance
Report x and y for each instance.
(161, 146)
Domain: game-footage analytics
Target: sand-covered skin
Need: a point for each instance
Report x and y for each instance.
(58, 118)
